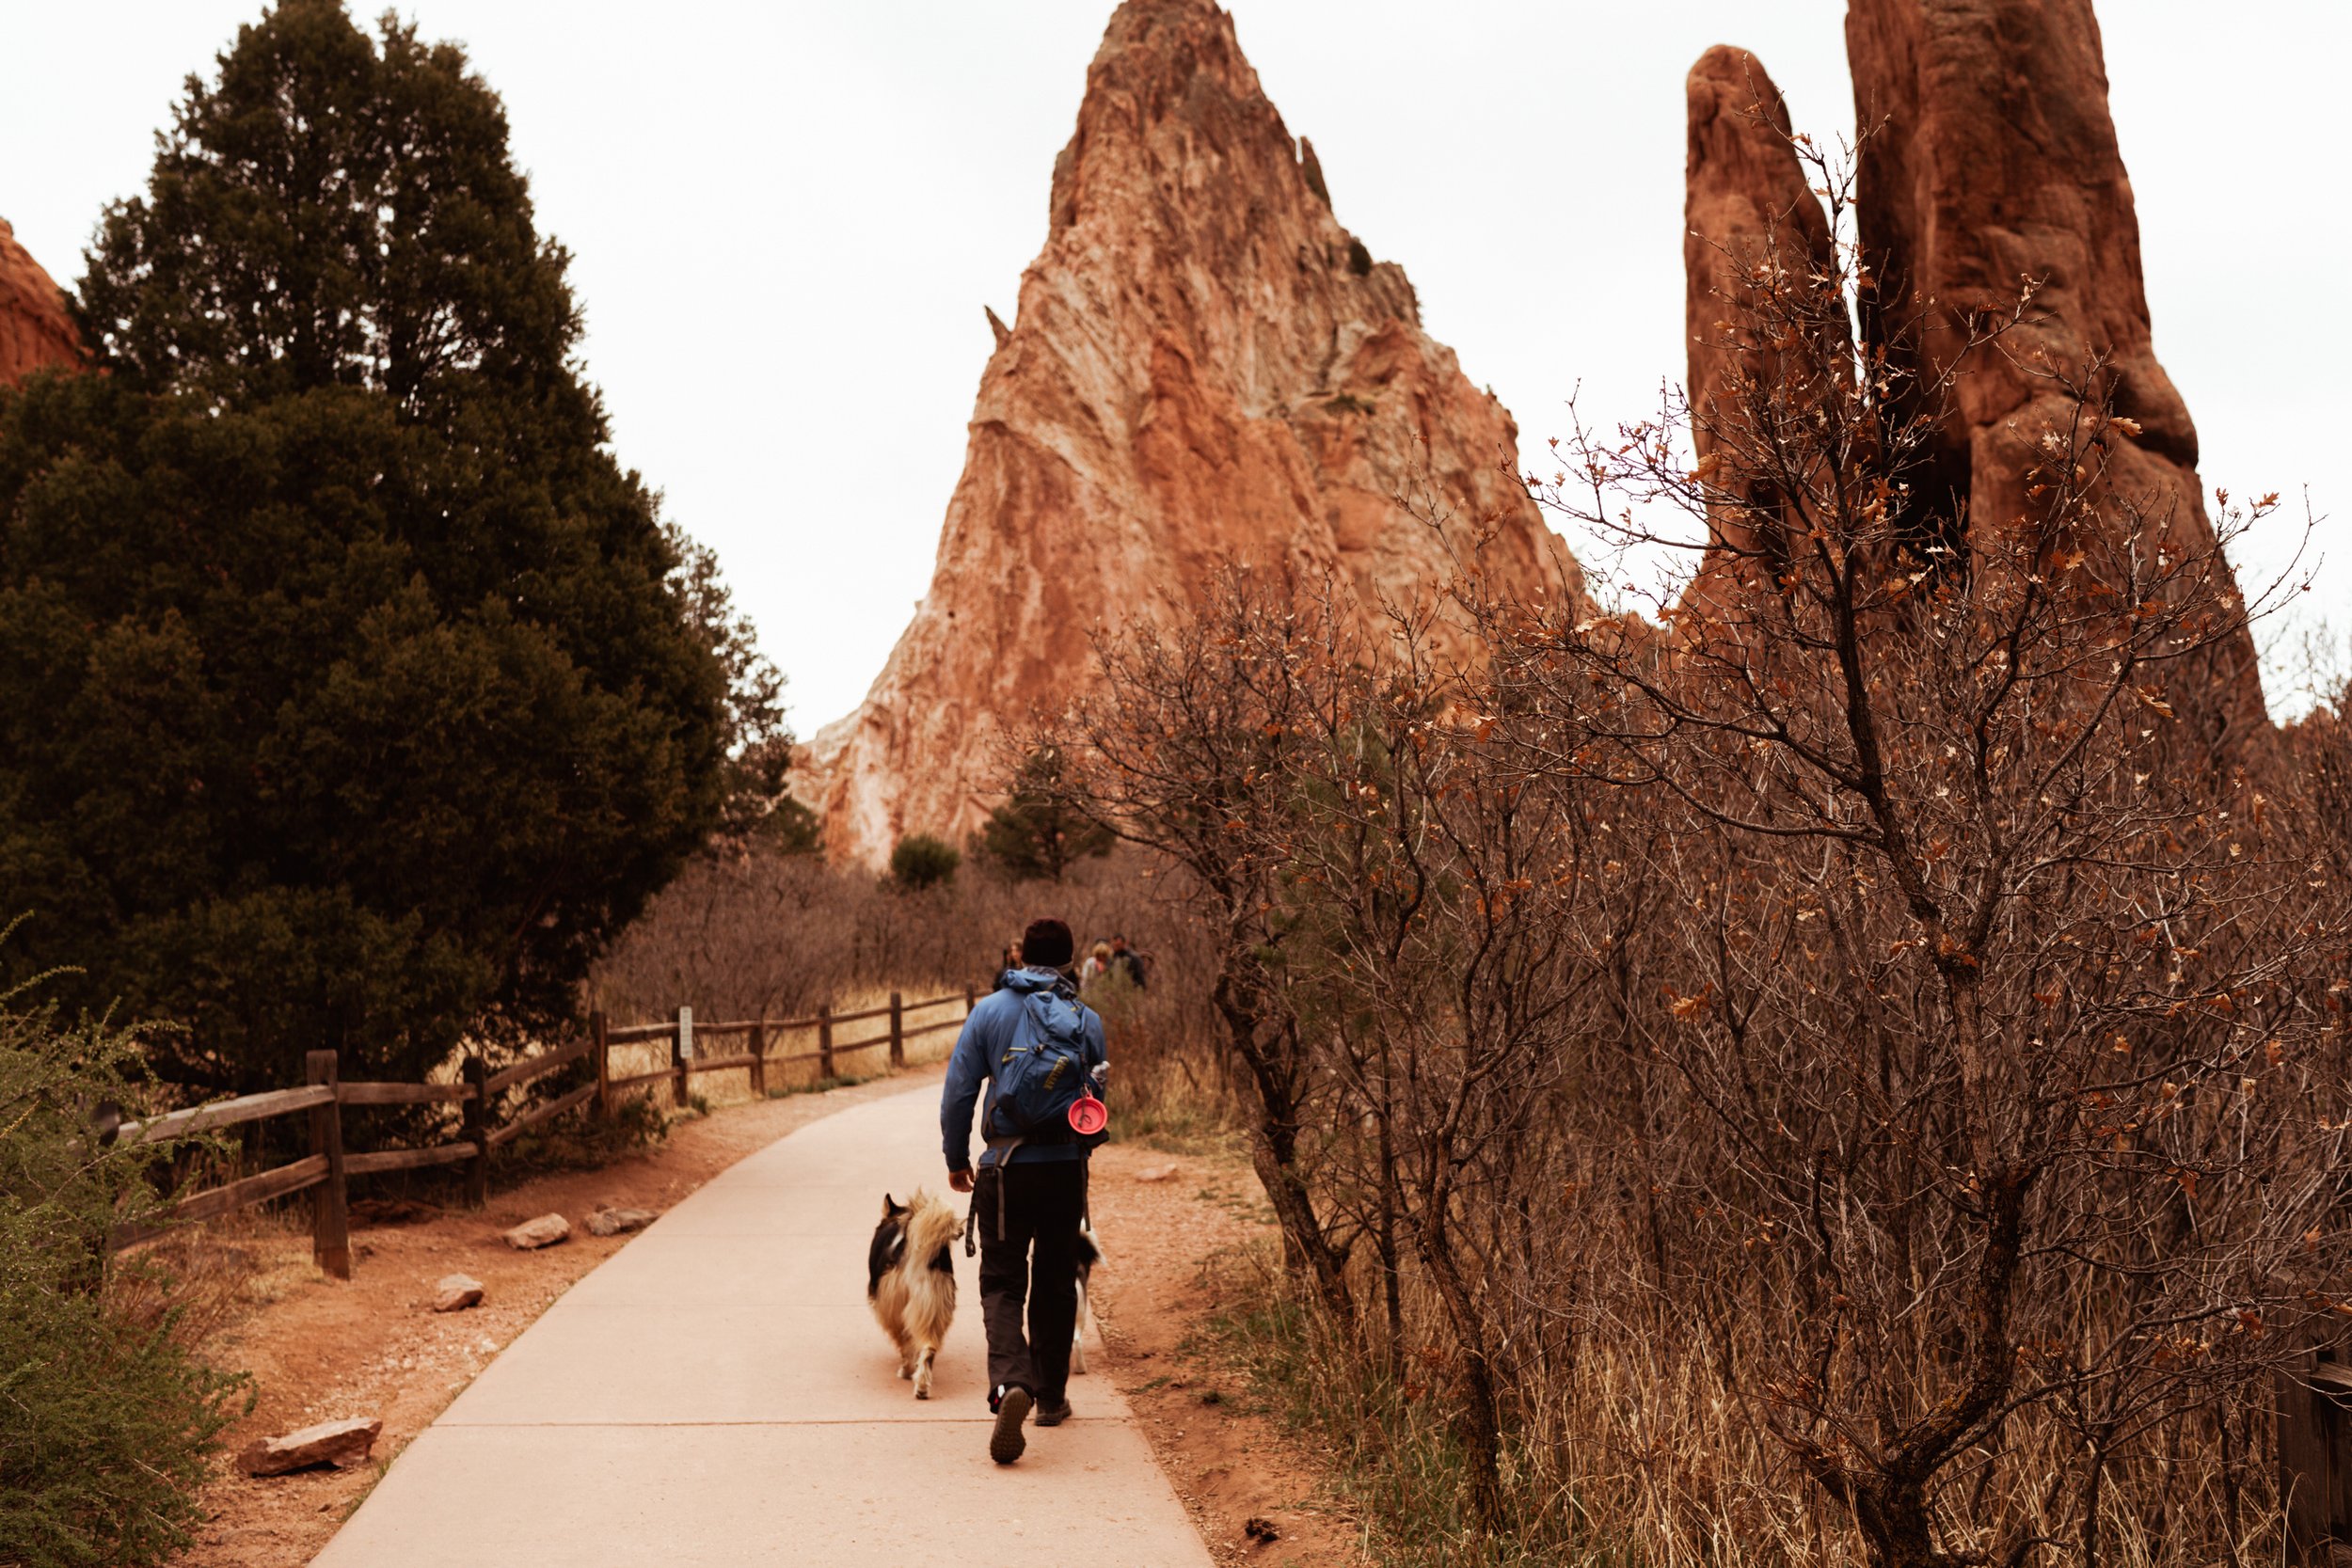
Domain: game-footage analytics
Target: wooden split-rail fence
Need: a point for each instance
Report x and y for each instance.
(327, 1169)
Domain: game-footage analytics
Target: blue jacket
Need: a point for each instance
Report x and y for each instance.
(987, 1034)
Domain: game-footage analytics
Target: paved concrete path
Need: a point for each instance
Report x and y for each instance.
(717, 1393)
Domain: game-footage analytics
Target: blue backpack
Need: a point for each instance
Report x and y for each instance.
(1040, 1074)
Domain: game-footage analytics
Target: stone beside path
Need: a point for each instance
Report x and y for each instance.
(717, 1393)
(546, 1231)
(342, 1444)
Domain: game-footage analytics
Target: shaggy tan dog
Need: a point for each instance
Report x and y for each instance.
(911, 1280)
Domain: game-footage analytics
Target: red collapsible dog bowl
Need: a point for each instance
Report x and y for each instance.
(1088, 1116)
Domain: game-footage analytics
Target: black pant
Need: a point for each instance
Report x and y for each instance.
(1035, 1254)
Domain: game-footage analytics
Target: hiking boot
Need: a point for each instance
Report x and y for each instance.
(1053, 1414)
(1006, 1442)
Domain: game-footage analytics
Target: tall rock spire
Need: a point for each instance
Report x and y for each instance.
(1989, 158)
(34, 328)
(1747, 210)
(1994, 161)
(1205, 363)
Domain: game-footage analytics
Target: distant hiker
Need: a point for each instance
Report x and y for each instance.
(1010, 962)
(1097, 965)
(1040, 1049)
(1128, 961)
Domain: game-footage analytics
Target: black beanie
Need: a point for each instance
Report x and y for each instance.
(1046, 944)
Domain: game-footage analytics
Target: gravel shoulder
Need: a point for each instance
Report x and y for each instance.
(1165, 1220)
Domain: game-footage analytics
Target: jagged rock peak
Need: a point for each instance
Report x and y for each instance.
(35, 330)
(1205, 364)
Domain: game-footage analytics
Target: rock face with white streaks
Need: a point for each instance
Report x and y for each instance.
(1205, 364)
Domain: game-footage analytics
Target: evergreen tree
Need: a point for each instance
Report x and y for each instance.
(919, 860)
(350, 693)
(1035, 834)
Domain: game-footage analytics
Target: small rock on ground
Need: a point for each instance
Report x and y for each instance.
(1156, 1172)
(613, 1222)
(342, 1444)
(455, 1292)
(546, 1231)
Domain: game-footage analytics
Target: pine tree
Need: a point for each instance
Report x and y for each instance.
(351, 694)
(1035, 834)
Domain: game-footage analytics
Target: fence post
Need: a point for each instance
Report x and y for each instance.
(2315, 1470)
(759, 1057)
(330, 1213)
(474, 1121)
(681, 1056)
(824, 1039)
(603, 1050)
(970, 999)
(897, 1032)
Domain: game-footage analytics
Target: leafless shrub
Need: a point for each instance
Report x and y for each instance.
(768, 934)
(1186, 745)
(1860, 1075)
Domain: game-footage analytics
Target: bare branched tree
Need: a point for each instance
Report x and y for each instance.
(1997, 1058)
(1184, 744)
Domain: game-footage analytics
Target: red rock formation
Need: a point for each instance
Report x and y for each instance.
(1205, 364)
(34, 328)
(1998, 163)
(1992, 159)
(1747, 208)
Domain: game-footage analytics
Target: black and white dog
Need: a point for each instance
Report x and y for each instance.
(1090, 1254)
(911, 1280)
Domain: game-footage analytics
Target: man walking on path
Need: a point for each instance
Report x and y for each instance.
(1030, 1193)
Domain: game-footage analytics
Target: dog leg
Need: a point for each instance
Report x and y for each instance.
(906, 1358)
(923, 1373)
(1078, 1334)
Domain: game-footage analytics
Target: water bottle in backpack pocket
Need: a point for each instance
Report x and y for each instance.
(1041, 1075)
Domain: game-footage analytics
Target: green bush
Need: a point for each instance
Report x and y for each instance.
(922, 861)
(105, 1418)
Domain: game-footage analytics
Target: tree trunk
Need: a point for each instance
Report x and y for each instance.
(1274, 1154)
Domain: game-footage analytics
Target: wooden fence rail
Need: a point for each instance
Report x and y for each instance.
(325, 1170)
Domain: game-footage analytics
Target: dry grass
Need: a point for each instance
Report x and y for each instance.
(202, 1280)
(1643, 1449)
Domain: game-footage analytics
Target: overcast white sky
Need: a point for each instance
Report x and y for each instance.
(787, 218)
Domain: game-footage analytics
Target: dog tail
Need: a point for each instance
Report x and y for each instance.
(932, 1225)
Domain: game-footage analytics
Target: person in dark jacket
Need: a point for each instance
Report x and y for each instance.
(1029, 1203)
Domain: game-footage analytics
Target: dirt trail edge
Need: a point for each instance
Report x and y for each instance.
(716, 1392)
